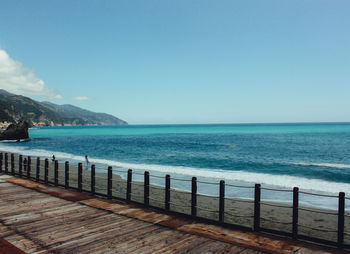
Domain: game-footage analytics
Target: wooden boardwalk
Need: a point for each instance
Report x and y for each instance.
(40, 223)
(42, 219)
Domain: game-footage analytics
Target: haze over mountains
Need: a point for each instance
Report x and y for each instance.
(14, 108)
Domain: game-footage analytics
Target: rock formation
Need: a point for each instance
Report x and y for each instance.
(14, 108)
(16, 131)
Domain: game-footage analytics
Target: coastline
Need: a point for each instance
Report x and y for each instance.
(238, 211)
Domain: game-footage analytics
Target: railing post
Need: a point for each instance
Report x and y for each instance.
(20, 165)
(6, 163)
(66, 175)
(29, 167)
(12, 164)
(222, 201)
(25, 164)
(93, 179)
(146, 189)
(128, 186)
(341, 211)
(46, 176)
(109, 183)
(295, 212)
(1, 159)
(167, 192)
(257, 197)
(56, 172)
(80, 177)
(37, 169)
(194, 197)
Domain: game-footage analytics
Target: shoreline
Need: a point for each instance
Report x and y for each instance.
(284, 197)
(235, 177)
(231, 177)
(238, 211)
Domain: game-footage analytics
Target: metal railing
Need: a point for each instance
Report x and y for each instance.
(39, 171)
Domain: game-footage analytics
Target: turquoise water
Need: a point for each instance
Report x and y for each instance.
(311, 156)
(189, 129)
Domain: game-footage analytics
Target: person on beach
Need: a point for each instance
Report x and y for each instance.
(53, 158)
(87, 161)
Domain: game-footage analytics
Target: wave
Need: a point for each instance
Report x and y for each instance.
(40, 153)
(284, 181)
(328, 165)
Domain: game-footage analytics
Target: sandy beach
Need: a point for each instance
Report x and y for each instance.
(237, 211)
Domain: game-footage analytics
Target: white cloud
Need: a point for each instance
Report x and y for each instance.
(80, 98)
(17, 79)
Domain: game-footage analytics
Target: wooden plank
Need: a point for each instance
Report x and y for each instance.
(196, 243)
(77, 231)
(179, 246)
(114, 243)
(16, 194)
(22, 197)
(175, 222)
(127, 210)
(140, 240)
(4, 230)
(205, 246)
(6, 190)
(123, 242)
(106, 205)
(75, 245)
(216, 247)
(51, 224)
(43, 223)
(26, 245)
(48, 228)
(23, 219)
(18, 240)
(54, 191)
(248, 251)
(250, 240)
(159, 241)
(16, 210)
(13, 208)
(173, 237)
(3, 182)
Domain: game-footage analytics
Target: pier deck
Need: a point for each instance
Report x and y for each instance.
(42, 219)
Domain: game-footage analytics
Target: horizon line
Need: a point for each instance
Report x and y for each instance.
(168, 124)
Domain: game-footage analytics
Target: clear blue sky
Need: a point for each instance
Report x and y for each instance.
(188, 61)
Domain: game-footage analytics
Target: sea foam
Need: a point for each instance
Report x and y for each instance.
(329, 165)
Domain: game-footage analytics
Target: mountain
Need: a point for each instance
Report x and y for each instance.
(14, 108)
(73, 114)
(5, 94)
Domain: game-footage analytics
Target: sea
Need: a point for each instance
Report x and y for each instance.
(315, 157)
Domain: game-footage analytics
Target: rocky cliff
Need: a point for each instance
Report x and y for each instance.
(16, 131)
(14, 108)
